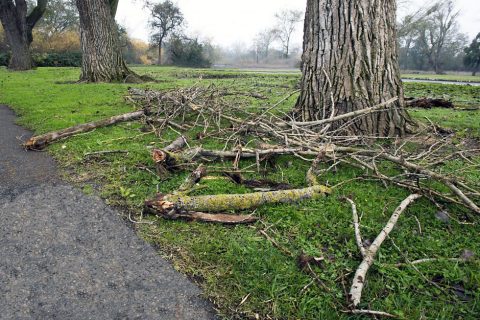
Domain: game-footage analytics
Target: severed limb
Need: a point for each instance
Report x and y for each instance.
(355, 294)
(163, 204)
(41, 141)
(174, 159)
(211, 218)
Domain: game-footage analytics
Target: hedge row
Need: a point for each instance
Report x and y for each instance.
(67, 59)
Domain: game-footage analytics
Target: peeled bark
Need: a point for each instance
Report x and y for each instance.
(18, 26)
(350, 62)
(102, 59)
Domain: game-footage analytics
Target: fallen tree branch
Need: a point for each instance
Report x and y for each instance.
(427, 260)
(372, 313)
(356, 226)
(345, 115)
(355, 294)
(211, 218)
(41, 141)
(163, 204)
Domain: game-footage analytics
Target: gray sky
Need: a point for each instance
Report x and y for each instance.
(235, 22)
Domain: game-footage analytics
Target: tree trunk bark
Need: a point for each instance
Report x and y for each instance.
(21, 58)
(18, 30)
(350, 62)
(160, 53)
(102, 59)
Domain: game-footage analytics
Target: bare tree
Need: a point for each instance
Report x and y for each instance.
(18, 25)
(264, 40)
(346, 69)
(437, 30)
(287, 21)
(165, 18)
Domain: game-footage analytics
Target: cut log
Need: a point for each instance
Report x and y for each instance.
(164, 204)
(41, 141)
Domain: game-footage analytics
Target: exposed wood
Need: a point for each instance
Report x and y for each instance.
(41, 141)
(359, 279)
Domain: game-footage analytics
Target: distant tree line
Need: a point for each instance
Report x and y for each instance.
(429, 39)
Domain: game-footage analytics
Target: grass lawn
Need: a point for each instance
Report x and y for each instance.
(445, 77)
(240, 269)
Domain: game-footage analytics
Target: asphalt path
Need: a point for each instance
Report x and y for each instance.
(65, 255)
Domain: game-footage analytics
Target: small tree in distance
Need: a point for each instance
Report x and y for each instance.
(165, 18)
(472, 55)
(287, 21)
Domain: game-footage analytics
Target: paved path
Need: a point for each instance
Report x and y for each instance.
(65, 255)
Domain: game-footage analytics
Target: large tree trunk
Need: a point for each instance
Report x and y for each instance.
(18, 28)
(102, 59)
(350, 62)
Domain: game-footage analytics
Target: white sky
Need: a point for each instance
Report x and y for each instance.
(236, 22)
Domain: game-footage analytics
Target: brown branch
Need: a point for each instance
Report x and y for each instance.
(41, 141)
(345, 115)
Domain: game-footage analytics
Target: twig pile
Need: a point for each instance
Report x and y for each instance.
(207, 108)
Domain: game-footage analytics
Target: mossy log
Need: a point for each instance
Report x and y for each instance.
(164, 204)
(41, 141)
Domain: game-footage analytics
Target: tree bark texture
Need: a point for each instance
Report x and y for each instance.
(18, 26)
(102, 59)
(350, 62)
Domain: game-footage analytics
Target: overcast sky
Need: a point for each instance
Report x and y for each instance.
(235, 22)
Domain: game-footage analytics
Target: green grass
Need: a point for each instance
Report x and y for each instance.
(445, 77)
(231, 263)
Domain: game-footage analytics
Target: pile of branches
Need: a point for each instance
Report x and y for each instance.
(262, 134)
(211, 112)
(207, 108)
